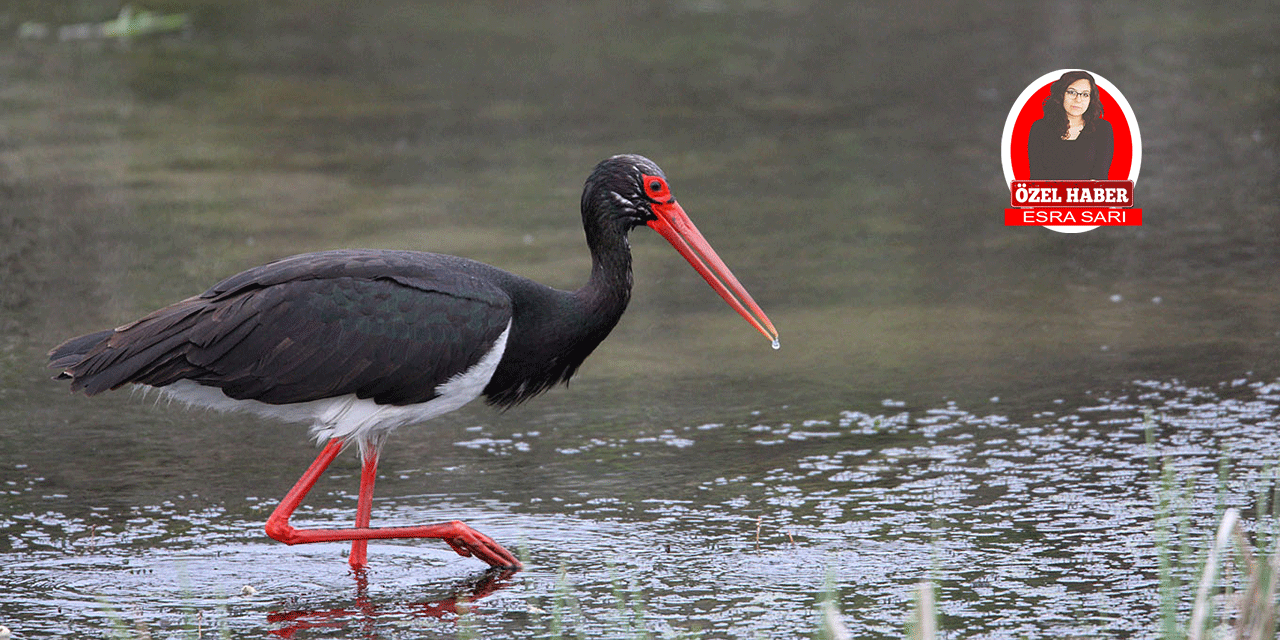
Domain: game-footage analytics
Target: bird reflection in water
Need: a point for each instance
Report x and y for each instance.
(364, 612)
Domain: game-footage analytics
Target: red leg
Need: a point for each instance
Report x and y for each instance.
(364, 508)
(465, 540)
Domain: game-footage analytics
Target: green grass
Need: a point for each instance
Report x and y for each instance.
(194, 627)
(1228, 579)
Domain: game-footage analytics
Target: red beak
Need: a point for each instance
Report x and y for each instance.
(674, 225)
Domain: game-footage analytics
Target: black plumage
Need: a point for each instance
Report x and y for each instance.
(390, 326)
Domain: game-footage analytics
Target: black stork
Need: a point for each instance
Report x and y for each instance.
(360, 342)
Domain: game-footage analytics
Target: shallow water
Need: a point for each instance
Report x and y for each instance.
(989, 408)
(1034, 525)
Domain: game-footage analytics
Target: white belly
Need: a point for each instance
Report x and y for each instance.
(349, 417)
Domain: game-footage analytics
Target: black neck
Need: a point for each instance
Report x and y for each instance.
(548, 345)
(608, 290)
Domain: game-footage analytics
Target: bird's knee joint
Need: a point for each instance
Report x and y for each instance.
(281, 531)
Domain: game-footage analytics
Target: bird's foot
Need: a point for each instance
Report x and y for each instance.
(472, 544)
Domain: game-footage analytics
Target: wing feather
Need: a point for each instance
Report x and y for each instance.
(391, 326)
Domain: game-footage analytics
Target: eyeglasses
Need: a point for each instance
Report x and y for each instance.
(1073, 94)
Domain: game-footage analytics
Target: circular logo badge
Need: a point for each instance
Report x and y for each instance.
(1031, 106)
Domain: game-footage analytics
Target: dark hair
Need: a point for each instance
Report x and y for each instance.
(1055, 113)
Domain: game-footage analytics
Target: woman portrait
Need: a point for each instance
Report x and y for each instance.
(1071, 141)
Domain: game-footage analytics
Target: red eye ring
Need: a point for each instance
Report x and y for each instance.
(656, 187)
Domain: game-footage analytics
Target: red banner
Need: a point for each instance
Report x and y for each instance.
(1110, 194)
(1072, 217)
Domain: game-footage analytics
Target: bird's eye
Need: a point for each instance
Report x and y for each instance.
(657, 188)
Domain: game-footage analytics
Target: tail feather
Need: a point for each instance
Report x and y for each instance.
(72, 351)
(148, 351)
